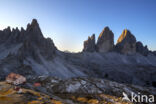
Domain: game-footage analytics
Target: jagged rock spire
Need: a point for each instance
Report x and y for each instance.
(89, 45)
(126, 36)
(34, 28)
(4, 34)
(34, 23)
(34, 39)
(105, 41)
(7, 30)
(32, 42)
(33, 32)
(126, 43)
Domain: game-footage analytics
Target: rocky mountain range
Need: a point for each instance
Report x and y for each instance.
(126, 43)
(127, 63)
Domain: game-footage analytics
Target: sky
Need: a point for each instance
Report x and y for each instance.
(70, 22)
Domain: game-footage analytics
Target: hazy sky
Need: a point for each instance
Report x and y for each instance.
(70, 22)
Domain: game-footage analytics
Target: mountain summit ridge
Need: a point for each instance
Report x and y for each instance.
(105, 42)
(29, 53)
(126, 43)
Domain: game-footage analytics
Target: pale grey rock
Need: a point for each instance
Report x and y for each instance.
(105, 42)
(97, 86)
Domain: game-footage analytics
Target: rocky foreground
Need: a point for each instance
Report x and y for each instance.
(9, 95)
(73, 91)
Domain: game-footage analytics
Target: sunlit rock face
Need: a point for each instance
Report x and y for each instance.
(89, 45)
(126, 43)
(105, 41)
(5, 34)
(141, 49)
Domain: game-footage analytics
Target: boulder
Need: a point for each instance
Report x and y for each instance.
(105, 41)
(15, 79)
(89, 45)
(141, 49)
(126, 43)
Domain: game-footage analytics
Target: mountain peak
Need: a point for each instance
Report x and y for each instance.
(34, 22)
(8, 29)
(105, 40)
(89, 45)
(126, 42)
(106, 29)
(33, 31)
(126, 34)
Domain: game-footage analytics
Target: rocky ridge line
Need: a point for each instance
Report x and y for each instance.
(32, 40)
(126, 43)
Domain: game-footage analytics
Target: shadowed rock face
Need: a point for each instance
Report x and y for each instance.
(5, 34)
(18, 46)
(141, 49)
(154, 52)
(33, 32)
(89, 45)
(105, 41)
(126, 43)
(32, 40)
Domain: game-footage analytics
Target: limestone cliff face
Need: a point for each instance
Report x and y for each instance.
(105, 41)
(89, 45)
(126, 43)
